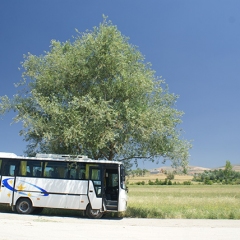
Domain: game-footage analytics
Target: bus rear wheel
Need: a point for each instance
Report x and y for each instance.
(24, 206)
(93, 213)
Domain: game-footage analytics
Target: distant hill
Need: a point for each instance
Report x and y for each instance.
(235, 168)
(191, 169)
(194, 169)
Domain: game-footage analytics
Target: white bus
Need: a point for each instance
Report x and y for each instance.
(29, 184)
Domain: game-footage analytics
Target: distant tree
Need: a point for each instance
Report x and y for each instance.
(225, 176)
(96, 96)
(228, 169)
(170, 175)
(144, 171)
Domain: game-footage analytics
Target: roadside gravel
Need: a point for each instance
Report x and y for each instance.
(24, 227)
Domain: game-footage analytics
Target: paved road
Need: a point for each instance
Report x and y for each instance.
(26, 227)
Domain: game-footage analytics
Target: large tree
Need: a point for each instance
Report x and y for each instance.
(96, 95)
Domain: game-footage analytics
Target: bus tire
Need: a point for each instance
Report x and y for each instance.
(93, 213)
(24, 206)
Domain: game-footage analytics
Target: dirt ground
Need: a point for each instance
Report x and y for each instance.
(26, 227)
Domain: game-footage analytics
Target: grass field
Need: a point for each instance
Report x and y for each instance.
(179, 201)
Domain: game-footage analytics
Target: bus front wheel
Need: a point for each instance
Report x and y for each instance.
(24, 206)
(93, 213)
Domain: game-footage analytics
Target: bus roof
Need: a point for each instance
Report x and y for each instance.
(57, 157)
(7, 155)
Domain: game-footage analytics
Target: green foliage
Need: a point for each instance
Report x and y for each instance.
(187, 183)
(137, 172)
(140, 183)
(208, 181)
(224, 176)
(150, 182)
(160, 182)
(97, 96)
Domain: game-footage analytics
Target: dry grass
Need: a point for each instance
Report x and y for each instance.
(160, 176)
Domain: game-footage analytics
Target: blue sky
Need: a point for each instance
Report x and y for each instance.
(193, 44)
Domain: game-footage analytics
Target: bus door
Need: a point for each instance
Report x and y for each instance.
(95, 187)
(111, 187)
(7, 181)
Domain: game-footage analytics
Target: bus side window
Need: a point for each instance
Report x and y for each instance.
(9, 167)
(38, 172)
(82, 174)
(82, 171)
(55, 170)
(72, 174)
(30, 169)
(23, 168)
(12, 170)
(71, 170)
(5, 170)
(75, 171)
